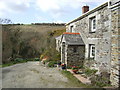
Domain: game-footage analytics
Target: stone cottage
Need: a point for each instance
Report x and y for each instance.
(72, 45)
(100, 31)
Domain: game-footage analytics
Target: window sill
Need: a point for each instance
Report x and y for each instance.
(92, 32)
(91, 57)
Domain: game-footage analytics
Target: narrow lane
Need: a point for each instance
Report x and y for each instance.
(33, 75)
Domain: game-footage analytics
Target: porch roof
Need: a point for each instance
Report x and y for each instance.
(72, 39)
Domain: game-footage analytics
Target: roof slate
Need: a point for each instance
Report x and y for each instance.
(73, 39)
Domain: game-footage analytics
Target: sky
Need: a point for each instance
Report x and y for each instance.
(44, 11)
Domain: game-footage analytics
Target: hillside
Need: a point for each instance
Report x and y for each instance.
(28, 41)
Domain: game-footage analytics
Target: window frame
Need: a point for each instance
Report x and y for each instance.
(92, 51)
(92, 24)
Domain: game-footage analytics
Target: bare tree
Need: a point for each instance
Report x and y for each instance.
(5, 21)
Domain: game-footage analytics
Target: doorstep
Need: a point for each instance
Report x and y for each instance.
(79, 77)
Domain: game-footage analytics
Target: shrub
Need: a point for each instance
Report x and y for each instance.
(37, 59)
(41, 57)
(89, 72)
(30, 59)
(46, 61)
(17, 60)
(98, 80)
(75, 68)
(69, 67)
(81, 67)
(51, 63)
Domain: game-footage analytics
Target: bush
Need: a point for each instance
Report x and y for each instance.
(90, 72)
(18, 60)
(81, 67)
(51, 63)
(75, 68)
(68, 67)
(101, 81)
(37, 59)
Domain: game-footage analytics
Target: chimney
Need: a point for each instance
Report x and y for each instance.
(85, 9)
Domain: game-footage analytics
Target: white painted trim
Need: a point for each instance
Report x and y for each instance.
(92, 23)
(91, 46)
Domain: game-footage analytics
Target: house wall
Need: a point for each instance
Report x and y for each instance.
(101, 38)
(58, 45)
(75, 58)
(106, 38)
(63, 52)
(115, 43)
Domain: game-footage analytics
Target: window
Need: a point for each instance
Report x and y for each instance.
(92, 51)
(71, 28)
(92, 24)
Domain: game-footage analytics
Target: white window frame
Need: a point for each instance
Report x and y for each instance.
(92, 51)
(93, 24)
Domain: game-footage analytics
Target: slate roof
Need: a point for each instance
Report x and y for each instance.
(73, 39)
(59, 37)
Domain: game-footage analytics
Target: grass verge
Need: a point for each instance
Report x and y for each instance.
(19, 60)
(74, 81)
(11, 63)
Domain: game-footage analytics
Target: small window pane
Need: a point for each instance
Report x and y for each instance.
(94, 21)
(93, 24)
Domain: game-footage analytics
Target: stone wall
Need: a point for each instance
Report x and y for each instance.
(63, 52)
(75, 58)
(0, 44)
(58, 45)
(101, 38)
(115, 43)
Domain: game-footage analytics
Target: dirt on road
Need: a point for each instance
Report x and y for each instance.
(33, 75)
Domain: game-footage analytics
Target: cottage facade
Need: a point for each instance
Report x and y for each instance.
(94, 28)
(100, 30)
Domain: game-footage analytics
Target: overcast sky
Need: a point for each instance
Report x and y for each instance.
(44, 11)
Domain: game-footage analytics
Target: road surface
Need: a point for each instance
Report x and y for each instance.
(33, 75)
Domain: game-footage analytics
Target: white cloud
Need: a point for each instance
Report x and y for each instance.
(40, 18)
(58, 21)
(47, 5)
(12, 6)
(58, 7)
(55, 8)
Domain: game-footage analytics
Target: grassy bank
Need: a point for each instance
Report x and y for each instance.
(11, 63)
(17, 61)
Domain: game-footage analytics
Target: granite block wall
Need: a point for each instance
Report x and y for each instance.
(75, 57)
(115, 43)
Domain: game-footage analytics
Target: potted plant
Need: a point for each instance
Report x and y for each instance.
(75, 69)
(63, 66)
